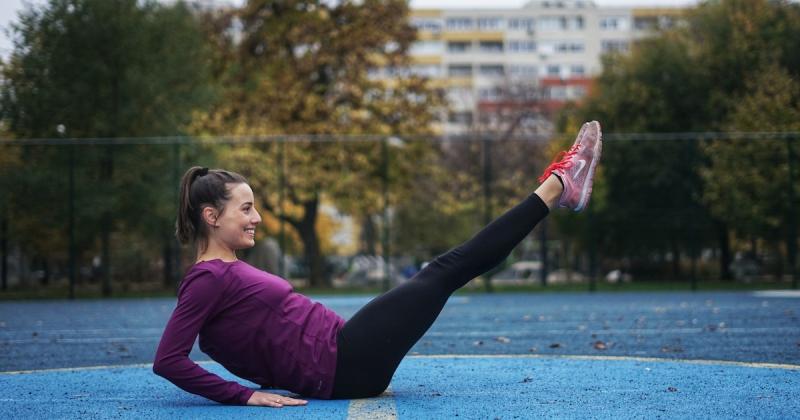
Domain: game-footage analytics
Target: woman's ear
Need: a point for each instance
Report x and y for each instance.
(210, 216)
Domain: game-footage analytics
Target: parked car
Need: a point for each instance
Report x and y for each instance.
(369, 270)
(745, 267)
(618, 276)
(564, 276)
(521, 272)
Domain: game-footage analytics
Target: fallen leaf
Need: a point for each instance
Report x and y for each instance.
(478, 343)
(555, 345)
(672, 389)
(599, 345)
(504, 340)
(527, 379)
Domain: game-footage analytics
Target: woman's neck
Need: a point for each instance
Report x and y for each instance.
(214, 252)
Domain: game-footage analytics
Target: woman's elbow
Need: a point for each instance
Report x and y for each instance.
(160, 368)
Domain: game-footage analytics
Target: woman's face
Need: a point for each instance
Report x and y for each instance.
(236, 226)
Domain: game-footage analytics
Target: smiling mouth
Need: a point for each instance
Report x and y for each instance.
(251, 231)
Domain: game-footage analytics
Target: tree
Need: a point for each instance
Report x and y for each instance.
(103, 68)
(302, 68)
(748, 182)
(692, 78)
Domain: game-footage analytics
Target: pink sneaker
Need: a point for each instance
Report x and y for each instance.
(576, 167)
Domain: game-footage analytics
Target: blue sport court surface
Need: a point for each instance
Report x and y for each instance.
(579, 355)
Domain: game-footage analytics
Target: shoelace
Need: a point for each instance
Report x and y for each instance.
(562, 161)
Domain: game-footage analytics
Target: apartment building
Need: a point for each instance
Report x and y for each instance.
(516, 66)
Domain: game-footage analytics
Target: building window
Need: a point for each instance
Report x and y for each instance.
(489, 94)
(491, 46)
(560, 23)
(608, 46)
(489, 23)
(459, 24)
(575, 22)
(570, 47)
(424, 24)
(521, 24)
(577, 70)
(459, 70)
(558, 92)
(549, 23)
(578, 92)
(523, 70)
(491, 70)
(430, 70)
(553, 70)
(550, 47)
(645, 23)
(522, 46)
(427, 48)
(459, 47)
(614, 23)
(464, 117)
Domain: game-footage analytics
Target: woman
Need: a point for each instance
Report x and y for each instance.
(253, 324)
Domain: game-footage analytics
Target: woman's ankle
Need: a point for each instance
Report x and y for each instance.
(550, 191)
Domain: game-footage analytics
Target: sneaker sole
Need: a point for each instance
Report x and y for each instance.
(587, 187)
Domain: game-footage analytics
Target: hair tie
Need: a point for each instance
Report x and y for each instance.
(202, 172)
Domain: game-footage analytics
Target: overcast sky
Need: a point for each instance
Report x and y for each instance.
(9, 9)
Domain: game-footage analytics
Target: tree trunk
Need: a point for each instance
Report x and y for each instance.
(4, 246)
(725, 252)
(105, 239)
(369, 236)
(308, 234)
(168, 260)
(676, 260)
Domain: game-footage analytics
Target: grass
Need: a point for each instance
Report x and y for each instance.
(62, 292)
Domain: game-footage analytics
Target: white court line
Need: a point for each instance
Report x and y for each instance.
(135, 365)
(777, 293)
(610, 358)
(382, 407)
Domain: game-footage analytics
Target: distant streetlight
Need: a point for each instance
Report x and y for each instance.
(396, 143)
(62, 130)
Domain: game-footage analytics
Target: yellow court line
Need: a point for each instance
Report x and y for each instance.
(762, 365)
(611, 358)
(382, 407)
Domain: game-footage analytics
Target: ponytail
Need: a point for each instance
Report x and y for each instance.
(202, 187)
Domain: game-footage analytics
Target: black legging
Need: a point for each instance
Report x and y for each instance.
(374, 341)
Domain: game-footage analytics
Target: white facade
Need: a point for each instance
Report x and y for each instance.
(553, 47)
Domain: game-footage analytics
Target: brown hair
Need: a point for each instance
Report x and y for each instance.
(200, 188)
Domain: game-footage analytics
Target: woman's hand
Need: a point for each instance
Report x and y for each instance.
(273, 400)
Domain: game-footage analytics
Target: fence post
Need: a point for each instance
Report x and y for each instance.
(486, 144)
(281, 215)
(791, 243)
(176, 179)
(4, 245)
(592, 250)
(61, 129)
(385, 194)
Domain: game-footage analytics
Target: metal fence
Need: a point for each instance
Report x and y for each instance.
(87, 217)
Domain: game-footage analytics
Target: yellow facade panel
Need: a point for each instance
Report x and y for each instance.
(426, 13)
(426, 59)
(423, 35)
(460, 81)
(473, 36)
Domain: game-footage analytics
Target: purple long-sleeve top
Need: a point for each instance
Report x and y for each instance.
(254, 325)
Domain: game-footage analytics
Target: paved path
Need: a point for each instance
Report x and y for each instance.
(504, 355)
